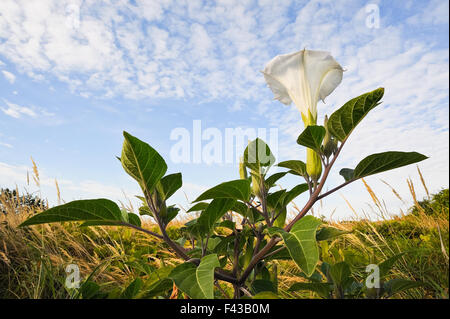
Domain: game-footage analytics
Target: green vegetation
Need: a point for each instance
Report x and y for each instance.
(33, 260)
(241, 244)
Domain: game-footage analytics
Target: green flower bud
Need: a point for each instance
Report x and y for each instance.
(313, 164)
(159, 203)
(256, 185)
(327, 137)
(242, 169)
(329, 143)
(313, 161)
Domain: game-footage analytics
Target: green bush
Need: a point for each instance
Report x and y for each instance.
(437, 206)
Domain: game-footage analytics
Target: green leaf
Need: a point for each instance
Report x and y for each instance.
(283, 254)
(273, 199)
(326, 233)
(281, 219)
(315, 277)
(142, 163)
(193, 228)
(301, 243)
(260, 285)
(295, 166)
(321, 288)
(294, 192)
(266, 295)
(211, 215)
(145, 210)
(198, 207)
(158, 288)
(132, 218)
(258, 154)
(196, 282)
(347, 173)
(133, 289)
(386, 266)
(247, 256)
(272, 179)
(227, 224)
(312, 137)
(340, 273)
(213, 242)
(381, 162)
(240, 208)
(342, 122)
(171, 213)
(157, 284)
(222, 247)
(236, 189)
(101, 210)
(395, 286)
(170, 184)
(89, 290)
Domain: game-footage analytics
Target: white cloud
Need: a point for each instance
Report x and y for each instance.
(111, 51)
(183, 49)
(17, 111)
(237, 106)
(214, 51)
(9, 76)
(6, 145)
(435, 13)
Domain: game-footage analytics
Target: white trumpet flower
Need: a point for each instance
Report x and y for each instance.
(303, 77)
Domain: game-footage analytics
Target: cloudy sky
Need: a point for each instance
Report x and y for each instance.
(75, 74)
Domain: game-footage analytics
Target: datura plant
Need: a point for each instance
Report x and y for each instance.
(241, 230)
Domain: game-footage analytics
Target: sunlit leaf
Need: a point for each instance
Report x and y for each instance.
(301, 243)
(258, 154)
(236, 189)
(312, 137)
(94, 210)
(196, 282)
(342, 122)
(142, 162)
(381, 162)
(296, 166)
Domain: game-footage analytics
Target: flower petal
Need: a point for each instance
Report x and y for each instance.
(323, 73)
(303, 77)
(279, 91)
(331, 80)
(285, 70)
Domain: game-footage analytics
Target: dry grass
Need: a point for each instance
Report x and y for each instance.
(33, 259)
(423, 236)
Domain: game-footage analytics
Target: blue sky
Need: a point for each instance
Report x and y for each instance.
(75, 74)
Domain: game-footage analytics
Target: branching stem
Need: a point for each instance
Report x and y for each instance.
(312, 200)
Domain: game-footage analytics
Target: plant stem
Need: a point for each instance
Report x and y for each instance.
(335, 189)
(312, 200)
(236, 254)
(314, 197)
(274, 252)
